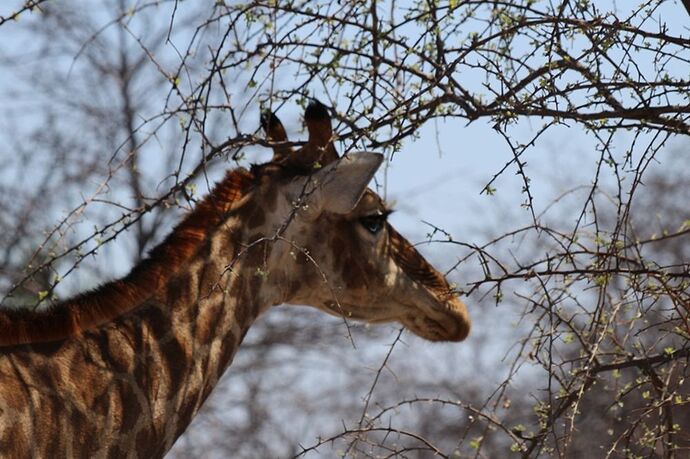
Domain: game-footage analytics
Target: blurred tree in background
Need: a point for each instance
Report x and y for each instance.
(118, 114)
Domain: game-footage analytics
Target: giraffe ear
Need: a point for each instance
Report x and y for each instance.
(338, 186)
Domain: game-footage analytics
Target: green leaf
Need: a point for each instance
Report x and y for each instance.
(476, 442)
(489, 190)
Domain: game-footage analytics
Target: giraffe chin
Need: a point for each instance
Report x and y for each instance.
(432, 330)
(449, 324)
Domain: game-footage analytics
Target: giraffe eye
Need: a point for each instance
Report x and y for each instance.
(373, 223)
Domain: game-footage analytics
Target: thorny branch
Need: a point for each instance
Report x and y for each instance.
(602, 297)
(29, 5)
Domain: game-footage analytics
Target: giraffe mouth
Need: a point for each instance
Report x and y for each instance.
(431, 330)
(449, 323)
(434, 330)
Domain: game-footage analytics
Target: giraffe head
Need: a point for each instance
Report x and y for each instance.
(336, 250)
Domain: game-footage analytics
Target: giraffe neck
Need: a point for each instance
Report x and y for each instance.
(133, 385)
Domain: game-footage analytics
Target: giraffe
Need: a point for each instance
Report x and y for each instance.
(121, 371)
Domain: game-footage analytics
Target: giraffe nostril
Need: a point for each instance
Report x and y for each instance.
(451, 324)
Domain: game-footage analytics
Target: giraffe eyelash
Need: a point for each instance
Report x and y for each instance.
(375, 222)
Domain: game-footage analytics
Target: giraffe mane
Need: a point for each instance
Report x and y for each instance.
(111, 300)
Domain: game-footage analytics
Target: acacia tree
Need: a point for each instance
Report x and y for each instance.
(601, 341)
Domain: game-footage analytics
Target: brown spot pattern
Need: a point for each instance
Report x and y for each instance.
(256, 219)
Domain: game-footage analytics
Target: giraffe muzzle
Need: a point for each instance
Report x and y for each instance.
(450, 322)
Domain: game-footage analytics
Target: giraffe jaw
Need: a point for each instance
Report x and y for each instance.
(360, 313)
(449, 323)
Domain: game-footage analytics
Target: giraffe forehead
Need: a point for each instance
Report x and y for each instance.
(370, 203)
